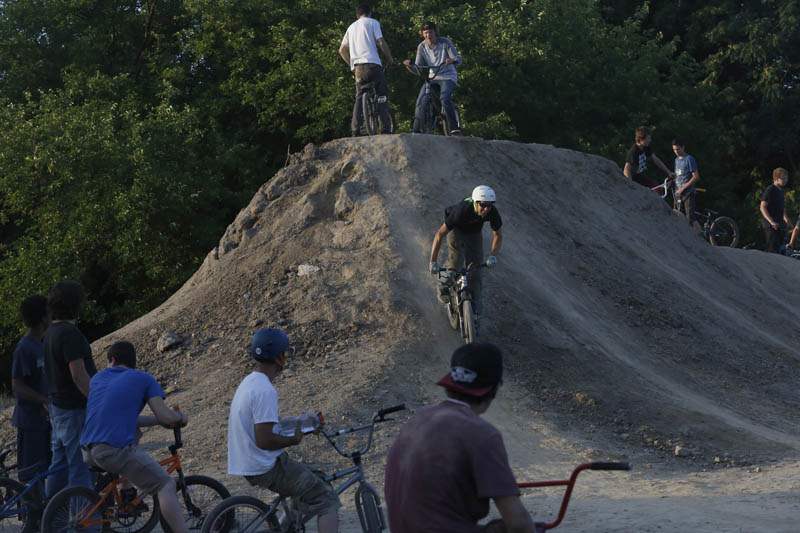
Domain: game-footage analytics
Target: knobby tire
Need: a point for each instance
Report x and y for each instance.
(724, 232)
(452, 310)
(200, 501)
(241, 513)
(370, 512)
(370, 112)
(469, 321)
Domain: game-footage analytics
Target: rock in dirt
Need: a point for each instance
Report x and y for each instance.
(168, 341)
(307, 270)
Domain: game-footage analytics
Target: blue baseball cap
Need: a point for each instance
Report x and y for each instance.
(268, 343)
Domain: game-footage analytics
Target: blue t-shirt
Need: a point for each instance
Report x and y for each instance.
(684, 168)
(116, 397)
(28, 366)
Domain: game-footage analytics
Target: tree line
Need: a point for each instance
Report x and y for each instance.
(133, 131)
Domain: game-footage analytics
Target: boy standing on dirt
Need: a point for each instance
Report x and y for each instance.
(773, 211)
(109, 440)
(636, 161)
(447, 462)
(463, 227)
(359, 49)
(256, 452)
(687, 174)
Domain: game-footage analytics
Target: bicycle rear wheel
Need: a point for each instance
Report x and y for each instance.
(13, 511)
(201, 494)
(242, 514)
(370, 512)
(724, 232)
(370, 111)
(469, 321)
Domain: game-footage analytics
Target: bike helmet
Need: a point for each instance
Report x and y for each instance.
(483, 193)
(268, 343)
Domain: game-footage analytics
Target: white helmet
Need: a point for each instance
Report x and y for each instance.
(483, 193)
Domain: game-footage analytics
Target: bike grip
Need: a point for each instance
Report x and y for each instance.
(390, 410)
(609, 466)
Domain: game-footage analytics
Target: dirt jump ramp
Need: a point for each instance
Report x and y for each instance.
(619, 323)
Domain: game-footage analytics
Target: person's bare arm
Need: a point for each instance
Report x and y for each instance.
(786, 219)
(515, 517)
(437, 241)
(344, 52)
(497, 242)
(660, 164)
(626, 170)
(694, 179)
(164, 416)
(80, 377)
(23, 392)
(793, 238)
(384, 46)
(266, 439)
(765, 214)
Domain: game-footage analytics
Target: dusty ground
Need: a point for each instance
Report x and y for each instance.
(626, 335)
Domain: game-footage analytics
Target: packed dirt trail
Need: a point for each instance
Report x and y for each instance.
(625, 334)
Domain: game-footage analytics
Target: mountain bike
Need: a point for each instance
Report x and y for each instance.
(282, 515)
(458, 304)
(717, 230)
(20, 502)
(80, 508)
(434, 118)
(369, 109)
(569, 483)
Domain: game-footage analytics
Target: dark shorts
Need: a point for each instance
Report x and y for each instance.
(33, 452)
(289, 478)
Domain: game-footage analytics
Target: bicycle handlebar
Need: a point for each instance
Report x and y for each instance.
(389, 410)
(376, 419)
(609, 466)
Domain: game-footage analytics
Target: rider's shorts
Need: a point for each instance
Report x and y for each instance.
(295, 480)
(130, 462)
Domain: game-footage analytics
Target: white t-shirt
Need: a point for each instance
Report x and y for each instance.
(255, 402)
(362, 40)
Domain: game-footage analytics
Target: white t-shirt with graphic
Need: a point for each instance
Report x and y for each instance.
(255, 402)
(362, 40)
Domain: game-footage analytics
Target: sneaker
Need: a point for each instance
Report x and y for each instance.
(128, 496)
(457, 133)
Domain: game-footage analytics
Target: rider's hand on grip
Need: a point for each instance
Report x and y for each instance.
(434, 268)
(491, 261)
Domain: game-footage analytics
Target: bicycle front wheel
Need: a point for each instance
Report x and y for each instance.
(197, 497)
(13, 511)
(370, 112)
(452, 310)
(241, 514)
(73, 509)
(724, 232)
(370, 512)
(469, 321)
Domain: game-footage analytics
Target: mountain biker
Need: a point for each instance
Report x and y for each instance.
(772, 208)
(463, 227)
(436, 51)
(109, 439)
(447, 462)
(359, 49)
(636, 160)
(257, 453)
(687, 174)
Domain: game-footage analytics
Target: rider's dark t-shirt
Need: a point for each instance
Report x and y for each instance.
(462, 216)
(774, 196)
(637, 158)
(63, 343)
(442, 470)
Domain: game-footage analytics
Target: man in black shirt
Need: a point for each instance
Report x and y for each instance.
(772, 210)
(68, 366)
(636, 160)
(463, 226)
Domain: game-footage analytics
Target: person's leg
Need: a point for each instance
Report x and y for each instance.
(357, 119)
(473, 254)
(59, 479)
(419, 110)
(773, 239)
(382, 89)
(793, 238)
(78, 472)
(170, 507)
(446, 88)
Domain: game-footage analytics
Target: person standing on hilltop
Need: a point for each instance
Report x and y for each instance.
(447, 462)
(359, 49)
(463, 227)
(773, 211)
(687, 174)
(68, 366)
(636, 161)
(257, 452)
(435, 51)
(30, 410)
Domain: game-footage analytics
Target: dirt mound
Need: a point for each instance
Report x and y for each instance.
(621, 326)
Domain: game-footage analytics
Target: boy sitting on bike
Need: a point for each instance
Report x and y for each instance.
(463, 227)
(257, 453)
(109, 439)
(447, 462)
(435, 51)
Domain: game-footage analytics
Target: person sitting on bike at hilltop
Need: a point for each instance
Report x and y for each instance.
(117, 396)
(773, 211)
(463, 227)
(359, 49)
(258, 453)
(636, 161)
(687, 174)
(447, 462)
(435, 51)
